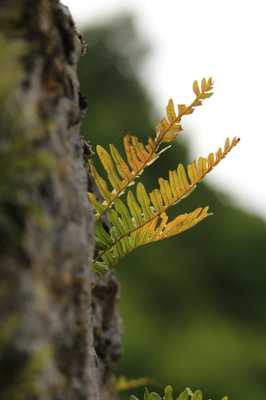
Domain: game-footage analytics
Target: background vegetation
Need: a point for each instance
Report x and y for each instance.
(194, 306)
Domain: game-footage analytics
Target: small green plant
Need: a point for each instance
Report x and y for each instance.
(123, 383)
(141, 218)
(187, 394)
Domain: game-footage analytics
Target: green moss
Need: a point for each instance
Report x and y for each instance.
(27, 383)
(24, 161)
(7, 330)
(11, 51)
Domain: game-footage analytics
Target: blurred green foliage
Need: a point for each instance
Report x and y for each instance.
(194, 307)
(187, 394)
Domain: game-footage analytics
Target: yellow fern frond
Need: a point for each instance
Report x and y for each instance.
(122, 172)
(155, 229)
(180, 184)
(143, 219)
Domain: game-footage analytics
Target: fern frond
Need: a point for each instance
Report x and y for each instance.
(155, 229)
(143, 219)
(122, 172)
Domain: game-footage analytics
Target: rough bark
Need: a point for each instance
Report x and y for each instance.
(58, 340)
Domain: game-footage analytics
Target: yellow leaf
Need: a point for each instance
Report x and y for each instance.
(104, 158)
(162, 127)
(170, 110)
(95, 203)
(165, 191)
(101, 184)
(202, 166)
(109, 167)
(219, 154)
(139, 148)
(121, 165)
(134, 208)
(183, 176)
(211, 160)
(192, 172)
(172, 134)
(182, 108)
(169, 137)
(227, 145)
(203, 85)
(209, 84)
(173, 180)
(205, 95)
(197, 103)
(150, 146)
(130, 151)
(196, 88)
(144, 200)
(156, 199)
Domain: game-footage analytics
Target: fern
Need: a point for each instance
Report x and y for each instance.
(142, 217)
(187, 394)
(121, 174)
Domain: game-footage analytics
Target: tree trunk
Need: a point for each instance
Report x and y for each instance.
(58, 337)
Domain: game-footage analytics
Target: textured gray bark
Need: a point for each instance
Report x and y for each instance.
(58, 338)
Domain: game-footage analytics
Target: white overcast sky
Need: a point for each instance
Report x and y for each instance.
(192, 39)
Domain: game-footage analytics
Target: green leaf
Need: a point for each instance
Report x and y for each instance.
(197, 395)
(114, 219)
(184, 395)
(122, 209)
(168, 393)
(187, 394)
(146, 394)
(144, 200)
(102, 234)
(100, 268)
(109, 167)
(134, 208)
(154, 396)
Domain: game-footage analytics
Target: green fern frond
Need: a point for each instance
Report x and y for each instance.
(187, 394)
(121, 172)
(142, 218)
